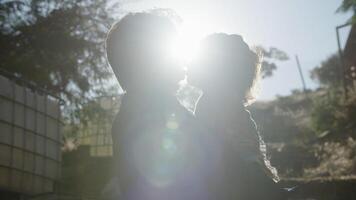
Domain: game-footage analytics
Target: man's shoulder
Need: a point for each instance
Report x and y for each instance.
(135, 116)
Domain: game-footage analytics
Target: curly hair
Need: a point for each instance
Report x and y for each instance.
(228, 57)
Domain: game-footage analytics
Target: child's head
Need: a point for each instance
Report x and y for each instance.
(226, 65)
(137, 48)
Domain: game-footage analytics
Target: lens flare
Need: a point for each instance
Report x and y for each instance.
(160, 153)
(183, 48)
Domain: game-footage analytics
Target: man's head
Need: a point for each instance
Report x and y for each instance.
(137, 49)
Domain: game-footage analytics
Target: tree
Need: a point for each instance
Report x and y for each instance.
(327, 74)
(59, 45)
(269, 57)
(347, 6)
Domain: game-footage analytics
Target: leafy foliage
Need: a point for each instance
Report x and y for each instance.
(325, 113)
(346, 6)
(59, 45)
(270, 56)
(332, 113)
(328, 73)
(285, 119)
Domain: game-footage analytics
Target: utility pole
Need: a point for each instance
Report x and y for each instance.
(301, 74)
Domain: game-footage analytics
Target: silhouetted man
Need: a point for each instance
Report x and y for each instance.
(153, 144)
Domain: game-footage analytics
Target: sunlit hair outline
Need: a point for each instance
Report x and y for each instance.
(255, 88)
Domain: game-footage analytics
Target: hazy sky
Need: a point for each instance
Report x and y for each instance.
(303, 27)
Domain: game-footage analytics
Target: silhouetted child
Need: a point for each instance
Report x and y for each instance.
(153, 141)
(227, 70)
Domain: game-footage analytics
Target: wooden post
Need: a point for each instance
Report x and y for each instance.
(301, 74)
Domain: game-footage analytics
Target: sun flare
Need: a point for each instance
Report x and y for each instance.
(184, 47)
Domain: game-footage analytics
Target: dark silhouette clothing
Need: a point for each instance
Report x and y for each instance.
(242, 173)
(164, 152)
(160, 152)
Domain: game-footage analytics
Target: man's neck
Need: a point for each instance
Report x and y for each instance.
(151, 98)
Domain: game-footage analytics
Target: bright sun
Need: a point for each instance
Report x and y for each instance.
(185, 45)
